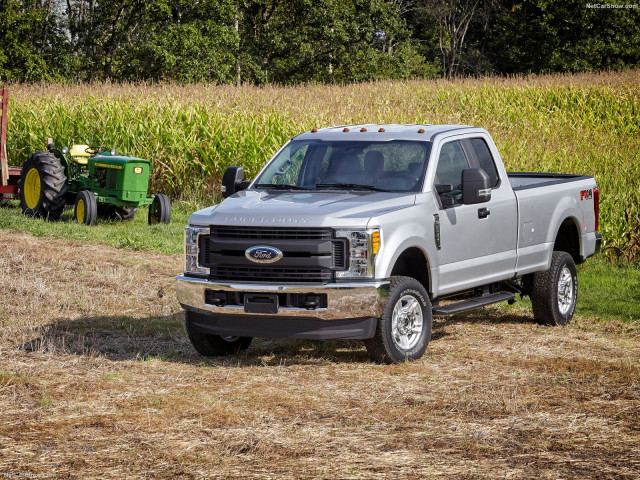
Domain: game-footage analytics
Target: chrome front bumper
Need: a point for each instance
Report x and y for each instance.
(344, 300)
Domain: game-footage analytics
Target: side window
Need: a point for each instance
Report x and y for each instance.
(451, 162)
(485, 159)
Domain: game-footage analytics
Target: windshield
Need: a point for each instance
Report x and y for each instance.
(396, 166)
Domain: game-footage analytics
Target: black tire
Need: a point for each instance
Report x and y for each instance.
(160, 209)
(209, 345)
(551, 306)
(386, 346)
(48, 198)
(111, 212)
(86, 209)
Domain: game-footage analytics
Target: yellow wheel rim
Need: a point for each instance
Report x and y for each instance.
(80, 211)
(32, 188)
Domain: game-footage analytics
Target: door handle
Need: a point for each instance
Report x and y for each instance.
(483, 213)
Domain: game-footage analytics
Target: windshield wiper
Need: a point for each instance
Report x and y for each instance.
(279, 186)
(353, 186)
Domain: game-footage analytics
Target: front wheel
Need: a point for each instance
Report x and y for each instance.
(160, 209)
(86, 209)
(554, 293)
(209, 345)
(404, 330)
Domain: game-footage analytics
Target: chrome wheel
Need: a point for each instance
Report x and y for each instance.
(565, 290)
(406, 322)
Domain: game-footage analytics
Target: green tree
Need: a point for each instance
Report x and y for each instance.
(326, 40)
(184, 42)
(548, 36)
(32, 44)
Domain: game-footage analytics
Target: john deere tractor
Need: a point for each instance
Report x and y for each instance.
(94, 179)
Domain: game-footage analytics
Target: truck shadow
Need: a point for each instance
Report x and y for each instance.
(164, 338)
(492, 316)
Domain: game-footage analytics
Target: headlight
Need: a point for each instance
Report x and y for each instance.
(191, 241)
(363, 248)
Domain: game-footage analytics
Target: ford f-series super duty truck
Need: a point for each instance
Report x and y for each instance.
(367, 231)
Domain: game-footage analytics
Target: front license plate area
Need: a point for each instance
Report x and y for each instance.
(261, 303)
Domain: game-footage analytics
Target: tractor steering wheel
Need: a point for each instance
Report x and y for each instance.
(95, 149)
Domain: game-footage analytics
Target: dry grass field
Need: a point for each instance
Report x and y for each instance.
(97, 380)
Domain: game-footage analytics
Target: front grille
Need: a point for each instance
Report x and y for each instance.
(339, 260)
(267, 233)
(310, 255)
(270, 274)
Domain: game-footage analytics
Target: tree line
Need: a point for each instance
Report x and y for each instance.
(297, 41)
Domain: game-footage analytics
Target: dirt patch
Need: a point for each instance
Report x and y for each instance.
(97, 379)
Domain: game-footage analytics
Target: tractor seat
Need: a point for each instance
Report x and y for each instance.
(79, 154)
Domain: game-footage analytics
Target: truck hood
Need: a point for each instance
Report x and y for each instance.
(312, 209)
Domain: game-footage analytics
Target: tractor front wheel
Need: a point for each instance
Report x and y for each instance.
(86, 210)
(43, 186)
(160, 209)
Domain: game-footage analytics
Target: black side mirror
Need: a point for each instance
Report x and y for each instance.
(232, 181)
(475, 186)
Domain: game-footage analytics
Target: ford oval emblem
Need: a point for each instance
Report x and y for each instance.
(263, 254)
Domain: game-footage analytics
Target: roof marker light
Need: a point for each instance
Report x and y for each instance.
(314, 130)
(421, 130)
(363, 129)
(345, 129)
(381, 129)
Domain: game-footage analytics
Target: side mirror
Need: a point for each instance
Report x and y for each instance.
(475, 186)
(232, 181)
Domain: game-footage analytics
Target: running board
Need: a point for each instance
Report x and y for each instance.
(473, 303)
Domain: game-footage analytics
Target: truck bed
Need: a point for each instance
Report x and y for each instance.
(544, 200)
(525, 180)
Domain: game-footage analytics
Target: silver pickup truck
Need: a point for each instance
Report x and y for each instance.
(368, 231)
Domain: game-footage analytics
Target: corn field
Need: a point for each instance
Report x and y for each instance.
(585, 124)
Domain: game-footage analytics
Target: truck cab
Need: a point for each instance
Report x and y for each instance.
(368, 231)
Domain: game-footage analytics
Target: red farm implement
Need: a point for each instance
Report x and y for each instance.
(9, 176)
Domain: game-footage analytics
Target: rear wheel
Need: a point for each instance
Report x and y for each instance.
(404, 330)
(86, 210)
(160, 210)
(554, 293)
(112, 212)
(210, 345)
(43, 186)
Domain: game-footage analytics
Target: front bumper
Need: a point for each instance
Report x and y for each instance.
(351, 311)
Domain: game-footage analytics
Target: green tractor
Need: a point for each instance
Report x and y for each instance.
(94, 179)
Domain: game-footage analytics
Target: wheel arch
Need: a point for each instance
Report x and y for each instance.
(568, 239)
(413, 262)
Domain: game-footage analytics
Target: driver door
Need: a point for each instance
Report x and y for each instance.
(465, 238)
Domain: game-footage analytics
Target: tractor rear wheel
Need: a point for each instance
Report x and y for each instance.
(125, 214)
(86, 210)
(111, 212)
(43, 186)
(160, 209)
